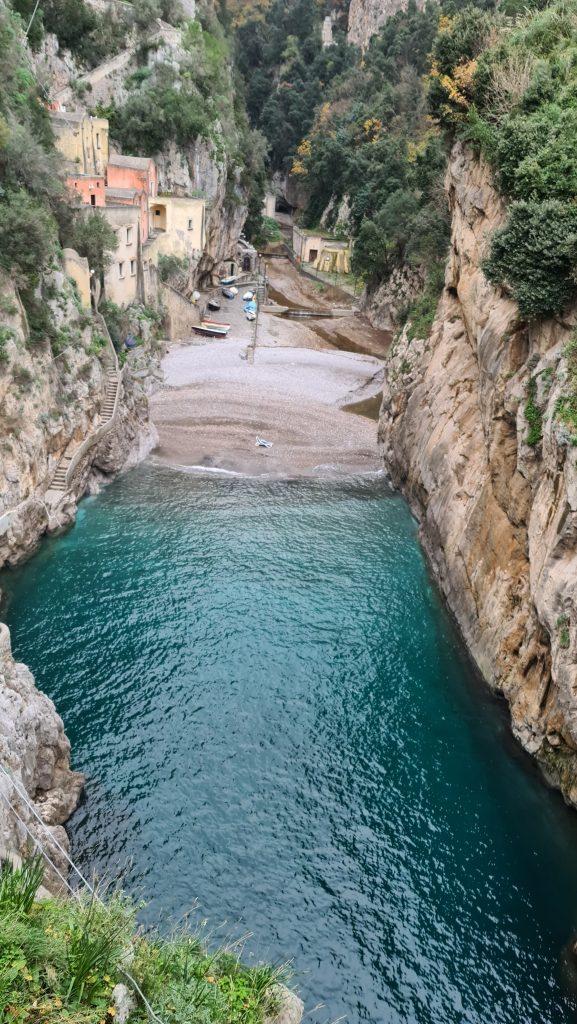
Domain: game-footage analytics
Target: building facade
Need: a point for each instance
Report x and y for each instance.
(179, 224)
(131, 276)
(322, 251)
(82, 140)
(124, 189)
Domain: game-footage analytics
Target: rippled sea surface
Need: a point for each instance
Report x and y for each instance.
(279, 725)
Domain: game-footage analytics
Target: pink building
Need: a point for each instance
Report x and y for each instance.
(89, 188)
(132, 180)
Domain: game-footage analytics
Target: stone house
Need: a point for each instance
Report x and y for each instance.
(82, 140)
(133, 180)
(179, 223)
(89, 188)
(321, 250)
(132, 274)
(125, 191)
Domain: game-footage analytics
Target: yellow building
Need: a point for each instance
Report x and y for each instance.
(179, 224)
(132, 273)
(82, 140)
(322, 251)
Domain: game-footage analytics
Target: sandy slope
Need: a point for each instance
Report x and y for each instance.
(216, 401)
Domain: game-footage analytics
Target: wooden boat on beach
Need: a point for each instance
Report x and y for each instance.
(211, 330)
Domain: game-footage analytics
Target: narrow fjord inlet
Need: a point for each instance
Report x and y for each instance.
(280, 727)
(288, 512)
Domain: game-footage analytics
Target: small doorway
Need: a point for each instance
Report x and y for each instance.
(313, 253)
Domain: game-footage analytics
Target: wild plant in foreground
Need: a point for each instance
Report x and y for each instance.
(18, 886)
(61, 958)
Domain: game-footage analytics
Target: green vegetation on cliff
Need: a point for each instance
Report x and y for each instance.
(60, 961)
(32, 191)
(90, 35)
(511, 92)
(357, 135)
(286, 72)
(375, 130)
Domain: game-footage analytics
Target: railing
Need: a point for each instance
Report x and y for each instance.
(103, 429)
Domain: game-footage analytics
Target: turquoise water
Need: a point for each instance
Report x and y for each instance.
(279, 727)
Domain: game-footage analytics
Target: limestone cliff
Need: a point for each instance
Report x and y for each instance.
(498, 516)
(367, 16)
(52, 395)
(36, 754)
(203, 167)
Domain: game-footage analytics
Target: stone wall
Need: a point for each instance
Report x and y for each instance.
(180, 314)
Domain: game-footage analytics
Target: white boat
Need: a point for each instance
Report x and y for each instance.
(261, 443)
(228, 280)
(212, 330)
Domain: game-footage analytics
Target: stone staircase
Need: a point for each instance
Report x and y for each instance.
(59, 482)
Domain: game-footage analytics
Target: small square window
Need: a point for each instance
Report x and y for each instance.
(121, 270)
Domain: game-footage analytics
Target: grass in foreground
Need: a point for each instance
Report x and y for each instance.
(60, 960)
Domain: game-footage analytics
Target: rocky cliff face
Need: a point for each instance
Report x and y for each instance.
(367, 16)
(48, 405)
(35, 756)
(498, 516)
(200, 168)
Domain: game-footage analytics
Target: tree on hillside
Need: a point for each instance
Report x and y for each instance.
(93, 238)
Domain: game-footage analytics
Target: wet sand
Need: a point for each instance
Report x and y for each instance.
(217, 398)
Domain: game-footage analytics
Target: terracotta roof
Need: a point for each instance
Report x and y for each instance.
(137, 163)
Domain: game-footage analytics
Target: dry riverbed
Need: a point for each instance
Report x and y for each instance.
(217, 398)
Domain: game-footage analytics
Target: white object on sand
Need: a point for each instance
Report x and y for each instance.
(261, 443)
